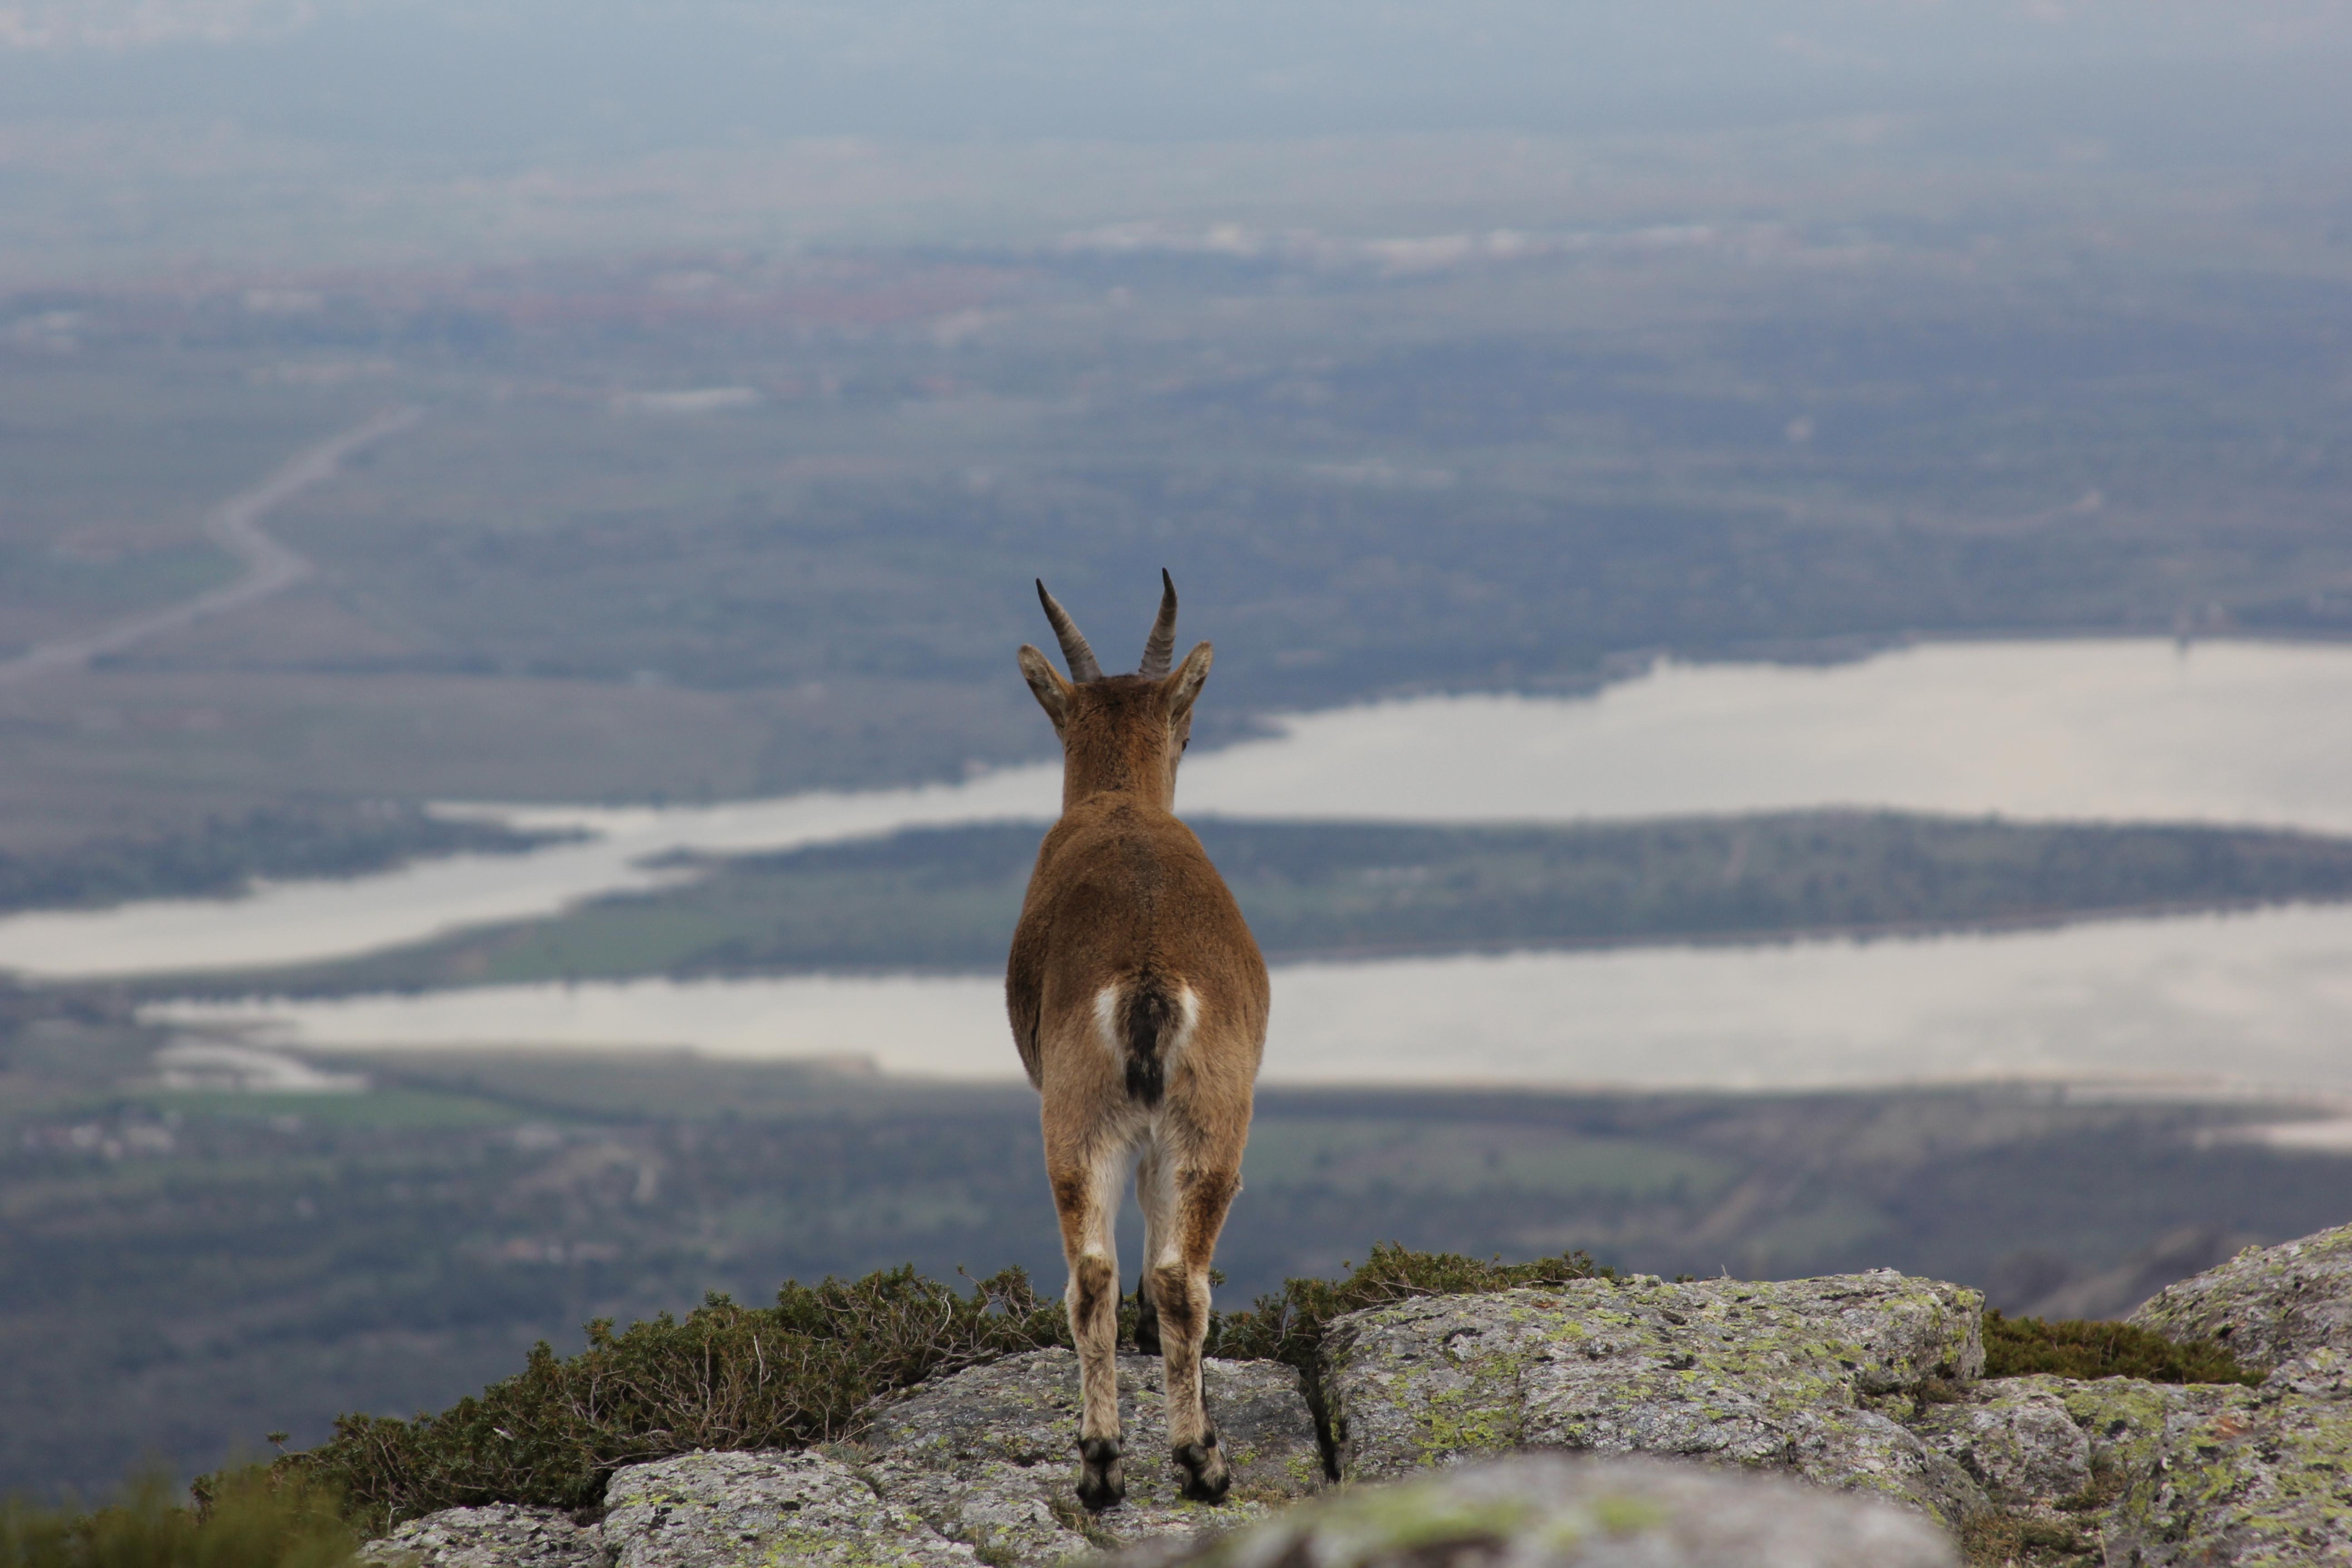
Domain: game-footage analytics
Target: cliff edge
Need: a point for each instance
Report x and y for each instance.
(1836, 1420)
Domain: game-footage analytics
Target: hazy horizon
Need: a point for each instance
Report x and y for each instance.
(154, 138)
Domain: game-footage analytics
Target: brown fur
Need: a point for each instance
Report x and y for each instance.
(1124, 900)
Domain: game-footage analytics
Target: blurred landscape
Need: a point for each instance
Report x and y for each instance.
(691, 528)
(407, 404)
(188, 1269)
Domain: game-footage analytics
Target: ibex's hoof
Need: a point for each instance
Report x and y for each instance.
(1102, 1477)
(1206, 1479)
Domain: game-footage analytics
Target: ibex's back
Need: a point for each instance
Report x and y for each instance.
(1128, 924)
(1138, 1002)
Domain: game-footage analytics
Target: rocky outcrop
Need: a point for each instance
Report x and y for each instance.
(1867, 1385)
(2157, 1474)
(2016, 1438)
(1557, 1512)
(2268, 1304)
(1809, 1375)
(973, 1467)
(1870, 1384)
(747, 1510)
(498, 1536)
(986, 1457)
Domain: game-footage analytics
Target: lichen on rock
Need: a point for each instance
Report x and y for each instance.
(2159, 1473)
(1782, 1375)
(1562, 1512)
(2230, 1475)
(759, 1509)
(497, 1535)
(2016, 1438)
(988, 1455)
(2268, 1304)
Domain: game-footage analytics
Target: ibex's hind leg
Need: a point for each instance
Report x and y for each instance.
(1155, 1193)
(1180, 1285)
(1085, 1196)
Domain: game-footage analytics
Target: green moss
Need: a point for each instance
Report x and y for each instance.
(248, 1519)
(2021, 1347)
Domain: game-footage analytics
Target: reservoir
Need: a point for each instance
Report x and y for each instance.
(2137, 730)
(2120, 731)
(2263, 997)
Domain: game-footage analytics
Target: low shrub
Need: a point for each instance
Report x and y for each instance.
(250, 1519)
(2018, 1347)
(727, 1377)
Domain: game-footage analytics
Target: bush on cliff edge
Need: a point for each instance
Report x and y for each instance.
(727, 1377)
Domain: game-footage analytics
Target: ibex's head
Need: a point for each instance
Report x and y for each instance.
(1118, 732)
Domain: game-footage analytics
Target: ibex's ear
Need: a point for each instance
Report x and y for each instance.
(1052, 691)
(1185, 685)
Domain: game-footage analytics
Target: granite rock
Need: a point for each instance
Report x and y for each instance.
(1806, 1375)
(2268, 1304)
(989, 1456)
(2016, 1438)
(497, 1535)
(761, 1510)
(2220, 1474)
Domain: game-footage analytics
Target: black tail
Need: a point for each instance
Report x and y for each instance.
(1152, 1015)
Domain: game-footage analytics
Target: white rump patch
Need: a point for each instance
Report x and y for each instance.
(1188, 1008)
(1106, 1021)
(1114, 1039)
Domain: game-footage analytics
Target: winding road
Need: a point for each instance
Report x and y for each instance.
(235, 526)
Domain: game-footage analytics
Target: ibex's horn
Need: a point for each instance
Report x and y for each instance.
(1161, 645)
(1075, 651)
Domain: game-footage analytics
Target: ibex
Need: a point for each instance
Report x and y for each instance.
(1138, 1002)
